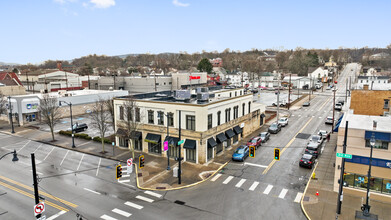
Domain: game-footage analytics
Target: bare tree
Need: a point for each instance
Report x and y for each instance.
(132, 120)
(49, 110)
(3, 103)
(109, 104)
(101, 120)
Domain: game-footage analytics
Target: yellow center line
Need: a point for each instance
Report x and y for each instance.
(40, 192)
(32, 196)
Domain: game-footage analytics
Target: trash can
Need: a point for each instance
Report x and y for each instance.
(175, 172)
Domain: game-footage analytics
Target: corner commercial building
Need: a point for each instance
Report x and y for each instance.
(209, 127)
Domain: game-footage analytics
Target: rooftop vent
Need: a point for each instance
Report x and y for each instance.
(182, 95)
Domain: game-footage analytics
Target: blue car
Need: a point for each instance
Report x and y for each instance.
(240, 153)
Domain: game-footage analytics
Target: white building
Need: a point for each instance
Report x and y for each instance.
(374, 82)
(318, 73)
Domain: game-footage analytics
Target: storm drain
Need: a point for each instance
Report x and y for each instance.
(303, 136)
(179, 202)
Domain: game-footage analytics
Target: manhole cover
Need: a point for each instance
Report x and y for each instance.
(303, 136)
(179, 202)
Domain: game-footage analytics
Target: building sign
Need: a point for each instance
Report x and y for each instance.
(365, 160)
(194, 77)
(32, 106)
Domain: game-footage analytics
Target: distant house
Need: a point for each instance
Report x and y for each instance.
(379, 56)
(369, 71)
(217, 62)
(317, 72)
(10, 79)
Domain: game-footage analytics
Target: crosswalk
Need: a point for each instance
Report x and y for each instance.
(266, 189)
(116, 212)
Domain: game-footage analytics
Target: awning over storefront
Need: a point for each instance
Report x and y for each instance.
(190, 144)
(152, 138)
(121, 132)
(171, 140)
(238, 130)
(134, 135)
(221, 138)
(211, 143)
(229, 133)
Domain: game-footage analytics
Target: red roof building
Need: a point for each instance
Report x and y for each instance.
(10, 79)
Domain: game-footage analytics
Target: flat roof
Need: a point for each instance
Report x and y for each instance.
(365, 122)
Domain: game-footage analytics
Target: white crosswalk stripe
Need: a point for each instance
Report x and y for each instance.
(134, 205)
(144, 199)
(255, 184)
(226, 181)
(153, 194)
(106, 217)
(123, 213)
(215, 177)
(268, 189)
(298, 197)
(240, 183)
(283, 193)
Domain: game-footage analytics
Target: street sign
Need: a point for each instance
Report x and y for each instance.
(181, 142)
(347, 156)
(129, 169)
(129, 162)
(165, 146)
(39, 208)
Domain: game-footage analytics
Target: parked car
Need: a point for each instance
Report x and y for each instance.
(282, 103)
(307, 160)
(283, 121)
(78, 127)
(341, 101)
(338, 106)
(306, 104)
(323, 133)
(274, 128)
(241, 153)
(265, 136)
(329, 120)
(255, 141)
(313, 149)
(316, 139)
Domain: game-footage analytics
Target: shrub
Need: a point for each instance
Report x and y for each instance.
(98, 139)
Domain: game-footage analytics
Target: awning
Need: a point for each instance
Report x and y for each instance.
(238, 130)
(190, 144)
(136, 135)
(378, 136)
(211, 142)
(338, 123)
(229, 133)
(221, 138)
(152, 138)
(171, 140)
(121, 132)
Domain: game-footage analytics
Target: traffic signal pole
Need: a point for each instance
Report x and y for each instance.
(340, 192)
(179, 149)
(35, 182)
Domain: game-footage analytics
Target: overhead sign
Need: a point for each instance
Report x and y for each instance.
(347, 156)
(130, 162)
(39, 208)
(194, 77)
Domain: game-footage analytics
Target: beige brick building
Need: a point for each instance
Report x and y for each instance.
(370, 102)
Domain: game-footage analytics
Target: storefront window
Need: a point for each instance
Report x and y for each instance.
(360, 181)
(191, 155)
(349, 179)
(375, 184)
(386, 186)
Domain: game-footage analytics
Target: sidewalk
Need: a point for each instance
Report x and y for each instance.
(324, 206)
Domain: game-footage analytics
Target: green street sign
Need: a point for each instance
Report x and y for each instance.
(347, 156)
(181, 142)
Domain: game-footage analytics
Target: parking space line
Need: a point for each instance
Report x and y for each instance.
(268, 189)
(215, 177)
(283, 193)
(255, 184)
(298, 197)
(144, 199)
(80, 161)
(240, 183)
(56, 215)
(153, 194)
(256, 165)
(97, 170)
(90, 190)
(38, 148)
(131, 204)
(123, 213)
(48, 154)
(106, 217)
(84, 143)
(23, 146)
(226, 181)
(64, 158)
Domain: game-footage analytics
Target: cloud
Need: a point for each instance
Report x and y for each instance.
(103, 3)
(180, 4)
(64, 1)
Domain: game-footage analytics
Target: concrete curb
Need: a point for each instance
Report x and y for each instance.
(305, 191)
(181, 187)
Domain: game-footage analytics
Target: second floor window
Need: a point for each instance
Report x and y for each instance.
(378, 144)
(160, 118)
(227, 115)
(121, 113)
(236, 111)
(209, 121)
(249, 107)
(243, 108)
(386, 103)
(190, 122)
(170, 119)
(218, 117)
(150, 117)
(137, 114)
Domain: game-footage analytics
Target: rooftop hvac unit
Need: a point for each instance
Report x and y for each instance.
(202, 89)
(203, 96)
(182, 94)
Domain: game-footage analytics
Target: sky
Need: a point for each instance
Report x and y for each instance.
(35, 31)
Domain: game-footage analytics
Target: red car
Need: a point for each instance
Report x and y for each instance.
(255, 141)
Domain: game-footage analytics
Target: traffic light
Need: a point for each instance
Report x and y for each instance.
(276, 154)
(141, 161)
(119, 171)
(252, 151)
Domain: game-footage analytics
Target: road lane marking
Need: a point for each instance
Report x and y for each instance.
(298, 197)
(64, 158)
(56, 215)
(123, 213)
(240, 183)
(255, 184)
(90, 190)
(131, 204)
(106, 217)
(80, 161)
(144, 199)
(38, 148)
(42, 193)
(126, 175)
(215, 177)
(256, 165)
(268, 189)
(226, 181)
(283, 193)
(153, 194)
(23, 146)
(48, 154)
(124, 181)
(97, 170)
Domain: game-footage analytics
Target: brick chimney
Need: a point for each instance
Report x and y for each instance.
(365, 87)
(59, 65)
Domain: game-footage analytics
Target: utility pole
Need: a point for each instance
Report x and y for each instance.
(179, 149)
(289, 93)
(278, 99)
(341, 180)
(346, 91)
(168, 145)
(310, 90)
(35, 182)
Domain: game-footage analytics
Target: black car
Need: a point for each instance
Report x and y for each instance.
(79, 127)
(274, 128)
(313, 149)
(265, 136)
(307, 160)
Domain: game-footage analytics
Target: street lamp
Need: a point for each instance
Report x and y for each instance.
(70, 107)
(366, 207)
(14, 159)
(168, 143)
(11, 119)
(332, 128)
